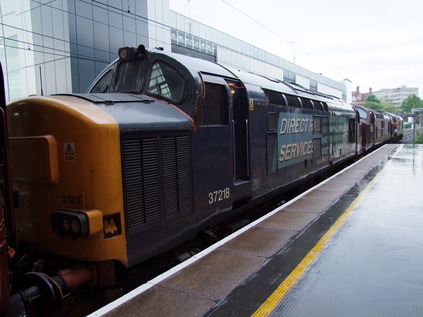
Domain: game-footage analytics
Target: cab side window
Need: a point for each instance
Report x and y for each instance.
(215, 105)
(166, 82)
(103, 85)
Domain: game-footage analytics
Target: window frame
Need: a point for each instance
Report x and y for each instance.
(214, 80)
(182, 78)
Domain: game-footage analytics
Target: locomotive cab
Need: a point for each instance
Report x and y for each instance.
(366, 128)
(213, 99)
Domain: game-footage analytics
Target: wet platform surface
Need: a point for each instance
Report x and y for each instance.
(371, 264)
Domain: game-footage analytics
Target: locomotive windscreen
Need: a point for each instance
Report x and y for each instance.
(130, 77)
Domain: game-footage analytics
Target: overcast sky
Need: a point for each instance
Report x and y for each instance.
(373, 43)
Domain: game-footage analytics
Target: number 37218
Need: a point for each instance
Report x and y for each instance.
(219, 195)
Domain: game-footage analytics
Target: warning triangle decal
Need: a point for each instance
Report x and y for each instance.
(69, 150)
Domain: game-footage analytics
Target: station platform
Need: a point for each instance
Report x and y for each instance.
(350, 246)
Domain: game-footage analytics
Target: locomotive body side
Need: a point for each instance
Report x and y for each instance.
(382, 134)
(296, 136)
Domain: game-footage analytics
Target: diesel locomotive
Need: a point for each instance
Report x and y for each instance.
(376, 128)
(161, 147)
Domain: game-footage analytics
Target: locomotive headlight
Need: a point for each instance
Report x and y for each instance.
(76, 227)
(65, 223)
(77, 223)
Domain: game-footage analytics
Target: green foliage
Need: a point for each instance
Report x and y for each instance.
(390, 107)
(412, 101)
(419, 138)
(374, 103)
(373, 98)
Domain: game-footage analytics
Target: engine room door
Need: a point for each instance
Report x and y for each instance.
(240, 131)
(213, 148)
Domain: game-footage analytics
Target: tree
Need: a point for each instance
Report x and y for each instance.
(390, 107)
(373, 102)
(412, 101)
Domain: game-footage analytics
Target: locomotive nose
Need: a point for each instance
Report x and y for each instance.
(67, 173)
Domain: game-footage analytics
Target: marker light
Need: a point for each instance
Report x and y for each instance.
(126, 53)
(131, 53)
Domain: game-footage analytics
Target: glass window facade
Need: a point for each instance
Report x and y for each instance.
(8, 49)
(61, 46)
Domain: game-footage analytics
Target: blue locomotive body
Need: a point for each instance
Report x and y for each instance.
(206, 141)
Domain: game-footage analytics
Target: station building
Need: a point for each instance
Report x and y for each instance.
(60, 46)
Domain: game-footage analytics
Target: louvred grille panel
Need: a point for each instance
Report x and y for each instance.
(157, 180)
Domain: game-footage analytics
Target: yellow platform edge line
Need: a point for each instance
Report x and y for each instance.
(273, 300)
